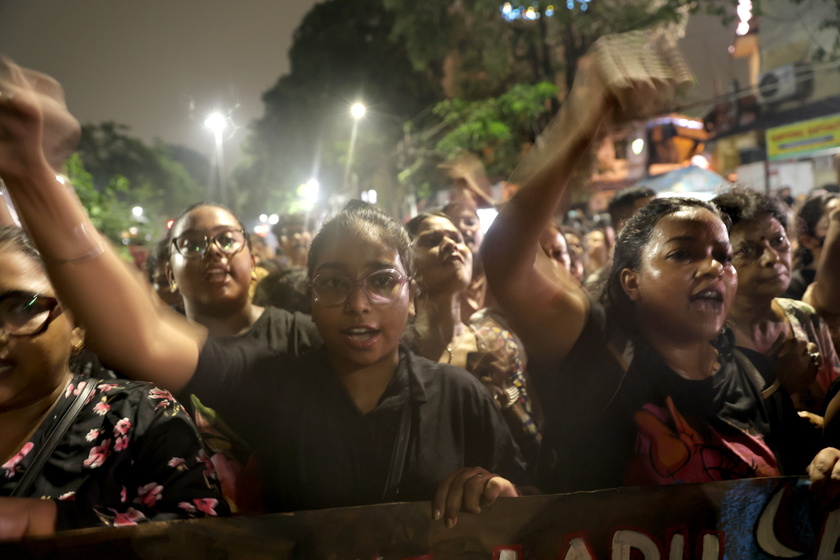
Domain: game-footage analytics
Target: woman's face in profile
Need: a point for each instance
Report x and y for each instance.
(31, 367)
(441, 256)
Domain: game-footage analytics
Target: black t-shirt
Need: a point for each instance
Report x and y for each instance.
(317, 450)
(277, 331)
(607, 428)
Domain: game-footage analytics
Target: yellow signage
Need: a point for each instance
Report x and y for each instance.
(794, 140)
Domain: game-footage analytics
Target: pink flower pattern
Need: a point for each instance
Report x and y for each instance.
(98, 455)
(209, 468)
(149, 494)
(206, 505)
(164, 396)
(9, 466)
(101, 407)
(122, 427)
(129, 517)
(74, 389)
(105, 457)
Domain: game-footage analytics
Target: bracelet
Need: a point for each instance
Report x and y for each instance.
(513, 396)
(81, 236)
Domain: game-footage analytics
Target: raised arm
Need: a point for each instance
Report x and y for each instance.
(546, 313)
(123, 325)
(824, 294)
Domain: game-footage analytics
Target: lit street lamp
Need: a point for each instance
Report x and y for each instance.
(357, 111)
(217, 123)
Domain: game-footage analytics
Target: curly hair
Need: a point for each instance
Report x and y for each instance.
(635, 236)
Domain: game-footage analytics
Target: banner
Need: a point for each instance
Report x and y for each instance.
(757, 518)
(794, 140)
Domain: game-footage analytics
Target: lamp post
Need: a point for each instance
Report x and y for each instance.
(217, 123)
(357, 111)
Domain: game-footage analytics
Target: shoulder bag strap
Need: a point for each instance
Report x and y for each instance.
(395, 472)
(52, 440)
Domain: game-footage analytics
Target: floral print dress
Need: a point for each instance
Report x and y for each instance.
(131, 455)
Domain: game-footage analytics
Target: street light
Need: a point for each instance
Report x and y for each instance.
(357, 111)
(217, 123)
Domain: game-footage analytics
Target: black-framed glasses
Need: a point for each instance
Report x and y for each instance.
(194, 245)
(381, 286)
(27, 314)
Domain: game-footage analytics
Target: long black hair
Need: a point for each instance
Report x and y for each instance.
(361, 217)
(634, 237)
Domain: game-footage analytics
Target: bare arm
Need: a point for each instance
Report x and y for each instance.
(630, 76)
(548, 315)
(123, 325)
(824, 295)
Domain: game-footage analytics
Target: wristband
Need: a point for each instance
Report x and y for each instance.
(91, 243)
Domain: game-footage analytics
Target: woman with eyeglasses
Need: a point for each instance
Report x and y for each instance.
(360, 421)
(211, 264)
(209, 261)
(77, 452)
(786, 330)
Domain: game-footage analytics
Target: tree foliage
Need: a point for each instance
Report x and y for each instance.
(342, 52)
(152, 177)
(108, 208)
(479, 53)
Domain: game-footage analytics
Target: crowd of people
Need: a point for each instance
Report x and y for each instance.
(377, 361)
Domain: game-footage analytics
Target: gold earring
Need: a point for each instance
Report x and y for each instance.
(173, 286)
(77, 348)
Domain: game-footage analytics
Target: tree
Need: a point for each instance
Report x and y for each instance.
(490, 53)
(497, 129)
(152, 177)
(106, 206)
(342, 52)
(482, 48)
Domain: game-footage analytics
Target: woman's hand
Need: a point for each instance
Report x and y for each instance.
(797, 363)
(26, 517)
(824, 472)
(469, 489)
(35, 125)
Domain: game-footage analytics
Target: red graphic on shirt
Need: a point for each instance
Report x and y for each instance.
(669, 450)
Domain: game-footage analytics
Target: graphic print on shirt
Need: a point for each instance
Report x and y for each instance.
(669, 450)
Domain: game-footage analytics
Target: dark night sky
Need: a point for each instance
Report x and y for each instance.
(147, 63)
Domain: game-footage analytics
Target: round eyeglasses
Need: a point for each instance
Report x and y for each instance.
(27, 314)
(194, 245)
(381, 286)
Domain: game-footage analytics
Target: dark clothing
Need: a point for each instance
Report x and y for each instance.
(277, 331)
(607, 428)
(131, 455)
(317, 450)
(799, 282)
